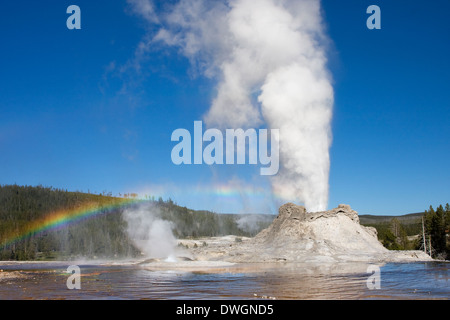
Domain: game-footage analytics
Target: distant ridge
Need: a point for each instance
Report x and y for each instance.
(405, 219)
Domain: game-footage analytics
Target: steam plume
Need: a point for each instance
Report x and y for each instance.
(268, 57)
(152, 235)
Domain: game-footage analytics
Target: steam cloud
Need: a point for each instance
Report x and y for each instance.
(152, 235)
(268, 57)
(253, 223)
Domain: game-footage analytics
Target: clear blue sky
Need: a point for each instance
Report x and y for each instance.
(73, 116)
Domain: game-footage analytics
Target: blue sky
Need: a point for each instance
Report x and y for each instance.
(76, 114)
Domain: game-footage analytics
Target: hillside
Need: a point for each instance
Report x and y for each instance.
(100, 229)
(23, 209)
(410, 218)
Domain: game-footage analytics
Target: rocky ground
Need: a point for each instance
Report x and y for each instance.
(10, 275)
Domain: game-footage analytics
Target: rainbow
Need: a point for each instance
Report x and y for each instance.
(214, 190)
(63, 218)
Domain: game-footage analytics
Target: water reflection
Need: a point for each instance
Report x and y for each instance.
(253, 281)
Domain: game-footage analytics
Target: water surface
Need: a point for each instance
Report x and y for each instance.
(428, 280)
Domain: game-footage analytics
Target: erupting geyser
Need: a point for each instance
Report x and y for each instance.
(268, 58)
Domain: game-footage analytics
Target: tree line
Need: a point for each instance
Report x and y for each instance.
(20, 206)
(437, 227)
(101, 236)
(396, 235)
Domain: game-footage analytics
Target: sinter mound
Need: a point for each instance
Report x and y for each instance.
(337, 229)
(327, 235)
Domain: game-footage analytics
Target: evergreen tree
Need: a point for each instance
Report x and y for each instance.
(399, 234)
(437, 230)
(436, 222)
(447, 216)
